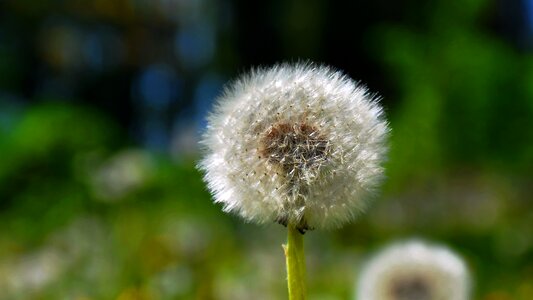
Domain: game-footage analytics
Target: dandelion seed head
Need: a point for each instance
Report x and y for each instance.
(295, 143)
(414, 271)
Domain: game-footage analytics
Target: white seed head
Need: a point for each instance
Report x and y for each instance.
(414, 271)
(300, 144)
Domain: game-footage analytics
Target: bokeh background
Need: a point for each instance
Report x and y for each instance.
(102, 104)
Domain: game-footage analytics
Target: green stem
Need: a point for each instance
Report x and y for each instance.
(294, 254)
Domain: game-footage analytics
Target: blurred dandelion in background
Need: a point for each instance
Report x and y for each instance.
(414, 270)
(122, 174)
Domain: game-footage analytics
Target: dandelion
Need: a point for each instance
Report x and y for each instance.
(297, 144)
(414, 271)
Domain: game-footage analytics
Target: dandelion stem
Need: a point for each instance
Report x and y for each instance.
(294, 254)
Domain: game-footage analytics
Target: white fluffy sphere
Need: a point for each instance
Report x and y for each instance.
(414, 271)
(299, 144)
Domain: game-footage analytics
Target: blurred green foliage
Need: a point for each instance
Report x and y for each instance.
(466, 97)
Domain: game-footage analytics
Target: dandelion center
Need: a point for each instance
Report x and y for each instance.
(411, 289)
(295, 147)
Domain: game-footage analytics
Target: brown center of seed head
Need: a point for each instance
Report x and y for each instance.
(415, 288)
(294, 148)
